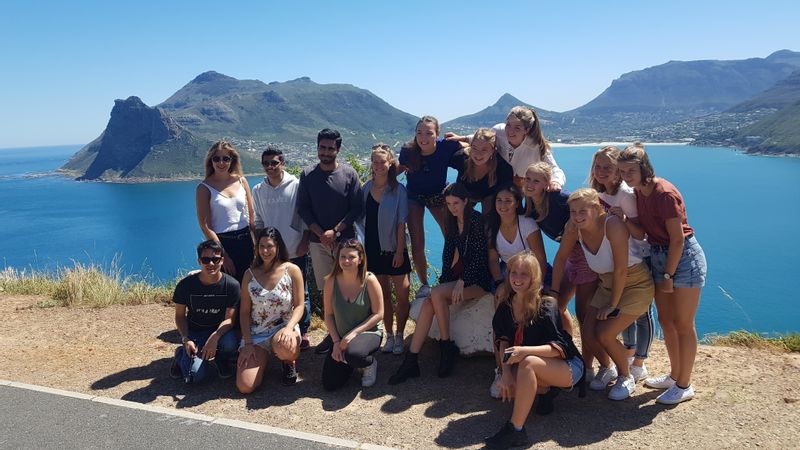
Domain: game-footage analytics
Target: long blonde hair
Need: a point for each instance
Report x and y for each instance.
(532, 298)
(485, 135)
(530, 204)
(385, 151)
(612, 153)
(235, 166)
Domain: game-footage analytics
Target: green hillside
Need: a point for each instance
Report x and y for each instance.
(777, 134)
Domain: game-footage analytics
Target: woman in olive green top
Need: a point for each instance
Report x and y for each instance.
(353, 302)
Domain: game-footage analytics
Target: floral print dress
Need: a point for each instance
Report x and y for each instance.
(271, 309)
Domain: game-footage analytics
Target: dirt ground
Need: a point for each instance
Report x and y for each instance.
(743, 399)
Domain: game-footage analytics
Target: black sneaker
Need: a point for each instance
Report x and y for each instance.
(289, 376)
(225, 368)
(174, 369)
(325, 346)
(448, 350)
(544, 402)
(508, 437)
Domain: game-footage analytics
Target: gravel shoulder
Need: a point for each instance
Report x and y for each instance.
(744, 398)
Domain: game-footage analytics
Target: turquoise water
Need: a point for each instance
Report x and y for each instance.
(743, 209)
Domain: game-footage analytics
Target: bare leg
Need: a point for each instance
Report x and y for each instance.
(401, 290)
(416, 229)
(533, 372)
(424, 322)
(589, 342)
(388, 308)
(665, 304)
(686, 302)
(439, 214)
(441, 298)
(607, 332)
(249, 377)
(287, 352)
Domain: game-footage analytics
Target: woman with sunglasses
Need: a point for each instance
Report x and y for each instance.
(481, 170)
(271, 307)
(225, 207)
(353, 305)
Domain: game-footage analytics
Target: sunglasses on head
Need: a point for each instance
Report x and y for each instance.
(210, 259)
(226, 159)
(272, 163)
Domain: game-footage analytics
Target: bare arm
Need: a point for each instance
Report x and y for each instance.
(376, 306)
(298, 297)
(536, 244)
(327, 304)
(203, 205)
(568, 241)
(245, 309)
(676, 241)
(618, 236)
(251, 214)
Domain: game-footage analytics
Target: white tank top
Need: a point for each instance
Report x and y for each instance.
(228, 213)
(603, 260)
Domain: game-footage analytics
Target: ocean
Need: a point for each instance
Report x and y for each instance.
(740, 207)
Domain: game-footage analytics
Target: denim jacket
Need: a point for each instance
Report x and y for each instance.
(393, 210)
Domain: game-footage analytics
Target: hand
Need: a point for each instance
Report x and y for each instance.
(345, 341)
(190, 347)
(328, 238)
(666, 286)
(228, 264)
(246, 354)
(602, 314)
(554, 186)
(284, 336)
(517, 355)
(398, 259)
(453, 137)
(617, 211)
(210, 349)
(507, 386)
(458, 292)
(336, 353)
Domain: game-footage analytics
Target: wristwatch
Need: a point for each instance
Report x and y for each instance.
(337, 233)
(668, 276)
(185, 339)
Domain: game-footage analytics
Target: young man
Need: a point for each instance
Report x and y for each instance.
(274, 200)
(205, 307)
(329, 200)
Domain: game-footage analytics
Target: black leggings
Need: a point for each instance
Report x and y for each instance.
(358, 355)
(239, 247)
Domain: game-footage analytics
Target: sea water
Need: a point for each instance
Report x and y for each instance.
(743, 209)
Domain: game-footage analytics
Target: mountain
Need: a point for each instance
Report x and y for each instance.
(779, 133)
(139, 142)
(495, 114)
(784, 93)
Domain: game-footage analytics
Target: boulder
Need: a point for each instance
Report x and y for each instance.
(470, 325)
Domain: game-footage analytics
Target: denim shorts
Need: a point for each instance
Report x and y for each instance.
(435, 200)
(264, 340)
(691, 272)
(576, 367)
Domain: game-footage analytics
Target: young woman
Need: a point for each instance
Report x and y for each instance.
(384, 224)
(272, 306)
(425, 160)
(678, 265)
(625, 291)
(353, 302)
(520, 142)
(481, 170)
(541, 356)
(618, 199)
(225, 207)
(551, 212)
(509, 234)
(465, 276)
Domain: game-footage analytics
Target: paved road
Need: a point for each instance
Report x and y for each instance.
(39, 420)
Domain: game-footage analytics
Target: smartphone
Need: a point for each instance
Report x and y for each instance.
(506, 355)
(613, 313)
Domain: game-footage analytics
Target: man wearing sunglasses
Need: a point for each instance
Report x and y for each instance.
(329, 200)
(275, 202)
(205, 307)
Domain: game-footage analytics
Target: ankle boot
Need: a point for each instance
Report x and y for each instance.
(408, 369)
(447, 357)
(544, 402)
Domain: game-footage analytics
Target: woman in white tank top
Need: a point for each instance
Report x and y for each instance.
(225, 208)
(625, 291)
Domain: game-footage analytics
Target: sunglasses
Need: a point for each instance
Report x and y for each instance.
(226, 159)
(272, 163)
(210, 259)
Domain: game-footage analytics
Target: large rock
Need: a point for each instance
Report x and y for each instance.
(470, 325)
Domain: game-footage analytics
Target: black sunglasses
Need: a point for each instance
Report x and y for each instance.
(226, 159)
(272, 163)
(210, 259)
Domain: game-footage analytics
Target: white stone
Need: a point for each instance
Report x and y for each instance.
(470, 325)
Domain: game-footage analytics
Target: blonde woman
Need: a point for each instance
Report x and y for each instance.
(481, 170)
(225, 207)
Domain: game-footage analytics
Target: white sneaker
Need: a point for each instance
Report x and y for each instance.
(675, 395)
(660, 382)
(370, 374)
(639, 372)
(388, 347)
(423, 292)
(398, 347)
(623, 388)
(603, 377)
(494, 389)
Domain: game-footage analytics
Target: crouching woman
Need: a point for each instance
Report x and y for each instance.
(539, 356)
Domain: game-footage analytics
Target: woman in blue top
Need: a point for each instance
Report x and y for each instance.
(481, 169)
(425, 160)
(384, 225)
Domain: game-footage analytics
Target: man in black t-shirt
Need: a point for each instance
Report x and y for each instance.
(205, 307)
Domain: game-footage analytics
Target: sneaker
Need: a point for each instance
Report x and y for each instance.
(603, 377)
(398, 348)
(639, 372)
(494, 389)
(660, 382)
(508, 437)
(388, 347)
(675, 395)
(623, 388)
(289, 376)
(325, 346)
(224, 368)
(423, 292)
(370, 374)
(175, 368)
(305, 344)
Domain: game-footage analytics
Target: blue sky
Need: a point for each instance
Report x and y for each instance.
(64, 63)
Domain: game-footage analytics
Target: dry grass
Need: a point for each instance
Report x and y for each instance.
(749, 339)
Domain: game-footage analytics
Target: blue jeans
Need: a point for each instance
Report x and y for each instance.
(305, 322)
(195, 367)
(640, 334)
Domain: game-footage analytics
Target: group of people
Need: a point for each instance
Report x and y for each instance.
(624, 241)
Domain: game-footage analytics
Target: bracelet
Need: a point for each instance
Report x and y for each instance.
(184, 340)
